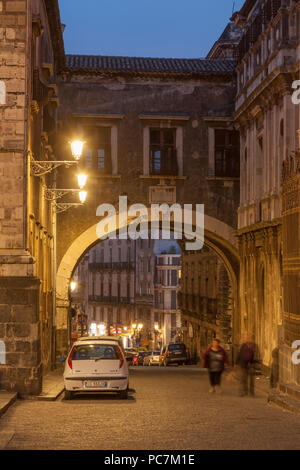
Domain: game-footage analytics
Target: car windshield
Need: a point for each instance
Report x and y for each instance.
(95, 351)
(176, 347)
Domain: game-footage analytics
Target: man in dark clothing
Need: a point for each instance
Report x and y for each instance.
(246, 360)
(215, 359)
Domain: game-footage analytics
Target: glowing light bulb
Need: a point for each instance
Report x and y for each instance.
(82, 196)
(76, 148)
(73, 285)
(81, 181)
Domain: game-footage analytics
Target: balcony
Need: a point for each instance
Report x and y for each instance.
(115, 266)
(259, 23)
(111, 300)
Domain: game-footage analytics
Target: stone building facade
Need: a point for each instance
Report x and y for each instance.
(212, 131)
(167, 314)
(144, 290)
(268, 121)
(31, 54)
(106, 278)
(157, 131)
(205, 299)
(116, 288)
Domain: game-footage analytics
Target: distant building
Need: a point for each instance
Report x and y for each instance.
(167, 315)
(205, 301)
(115, 288)
(106, 287)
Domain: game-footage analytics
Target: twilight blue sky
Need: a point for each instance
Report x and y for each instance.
(150, 28)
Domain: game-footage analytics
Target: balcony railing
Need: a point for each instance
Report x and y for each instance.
(114, 266)
(263, 18)
(111, 300)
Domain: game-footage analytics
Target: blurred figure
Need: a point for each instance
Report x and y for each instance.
(215, 359)
(246, 361)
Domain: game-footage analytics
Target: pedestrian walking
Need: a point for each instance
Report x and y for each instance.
(246, 360)
(215, 359)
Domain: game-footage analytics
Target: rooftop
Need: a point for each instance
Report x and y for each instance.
(90, 63)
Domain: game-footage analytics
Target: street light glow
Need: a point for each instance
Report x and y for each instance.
(82, 196)
(81, 180)
(134, 326)
(73, 285)
(140, 326)
(76, 148)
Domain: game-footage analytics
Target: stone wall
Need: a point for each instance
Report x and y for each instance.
(12, 120)
(26, 238)
(19, 329)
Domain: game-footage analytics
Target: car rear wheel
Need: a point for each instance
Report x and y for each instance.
(68, 395)
(124, 394)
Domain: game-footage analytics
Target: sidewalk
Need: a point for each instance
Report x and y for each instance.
(53, 385)
(287, 398)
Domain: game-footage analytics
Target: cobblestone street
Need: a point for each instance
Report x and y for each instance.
(167, 409)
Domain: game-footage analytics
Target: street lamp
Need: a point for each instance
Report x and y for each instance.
(76, 149)
(73, 285)
(81, 180)
(82, 196)
(42, 167)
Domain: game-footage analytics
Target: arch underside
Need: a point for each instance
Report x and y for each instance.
(217, 235)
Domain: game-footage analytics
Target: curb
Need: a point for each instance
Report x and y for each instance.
(6, 400)
(50, 396)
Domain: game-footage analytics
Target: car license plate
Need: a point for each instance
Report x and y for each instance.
(178, 353)
(95, 384)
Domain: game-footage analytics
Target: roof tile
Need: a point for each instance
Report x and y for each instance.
(149, 65)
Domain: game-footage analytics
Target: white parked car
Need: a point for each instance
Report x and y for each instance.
(152, 358)
(96, 364)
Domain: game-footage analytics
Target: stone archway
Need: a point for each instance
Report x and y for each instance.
(224, 246)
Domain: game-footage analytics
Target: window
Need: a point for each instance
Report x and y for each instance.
(119, 316)
(128, 290)
(173, 300)
(174, 280)
(95, 351)
(163, 158)
(227, 153)
(97, 152)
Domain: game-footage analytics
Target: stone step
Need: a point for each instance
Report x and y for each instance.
(6, 400)
(292, 390)
(284, 401)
